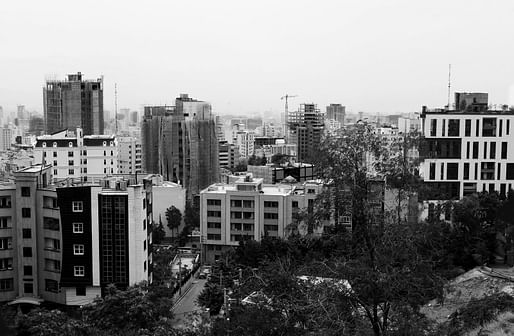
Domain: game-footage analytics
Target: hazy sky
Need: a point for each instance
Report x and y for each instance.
(242, 56)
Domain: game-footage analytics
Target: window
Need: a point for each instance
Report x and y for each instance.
(248, 215)
(6, 264)
(55, 172)
(504, 150)
(248, 227)
(270, 227)
(25, 191)
(213, 236)
(27, 270)
(52, 265)
(144, 245)
(213, 213)
(52, 244)
(78, 249)
(78, 271)
(71, 162)
(499, 170)
(77, 206)
(492, 150)
(469, 188)
(487, 172)
(311, 191)
(50, 223)
(28, 288)
(215, 202)
(475, 150)
(270, 204)
(442, 171)
(433, 127)
(78, 227)
(5, 222)
(295, 204)
(70, 154)
(247, 204)
(485, 150)
(235, 214)
(431, 172)
(467, 149)
(510, 171)
(55, 163)
(268, 215)
(213, 225)
(27, 233)
(6, 285)
(5, 202)
(453, 127)
(80, 291)
(235, 226)
(51, 286)
(489, 127)
(477, 129)
(476, 170)
(25, 212)
(71, 171)
(467, 128)
(443, 130)
(236, 203)
(347, 219)
(5, 243)
(27, 252)
(500, 128)
(507, 130)
(55, 155)
(466, 171)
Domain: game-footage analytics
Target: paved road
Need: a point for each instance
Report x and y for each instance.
(188, 302)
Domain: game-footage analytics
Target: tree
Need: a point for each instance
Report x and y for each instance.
(158, 232)
(174, 218)
(279, 159)
(211, 297)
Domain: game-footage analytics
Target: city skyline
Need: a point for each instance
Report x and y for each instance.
(243, 57)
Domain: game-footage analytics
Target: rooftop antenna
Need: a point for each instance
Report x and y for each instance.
(449, 83)
(116, 108)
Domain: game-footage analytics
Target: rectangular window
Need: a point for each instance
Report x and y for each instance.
(71, 162)
(5, 202)
(507, 130)
(213, 236)
(444, 128)
(442, 171)
(6, 264)
(52, 244)
(6, 285)
(28, 288)
(492, 150)
(25, 212)
(248, 227)
(501, 128)
(247, 204)
(71, 171)
(467, 128)
(55, 162)
(27, 233)
(248, 215)
(213, 225)
(216, 202)
(467, 149)
(431, 172)
(487, 171)
(485, 150)
(77, 206)
(236, 214)
(51, 286)
(504, 150)
(466, 171)
(70, 154)
(499, 171)
(454, 127)
(5, 243)
(78, 249)
(236, 203)
(27, 270)
(270, 204)
(503, 189)
(489, 127)
(477, 129)
(5, 222)
(55, 154)
(476, 170)
(50, 223)
(475, 150)
(27, 252)
(213, 213)
(78, 271)
(294, 204)
(452, 171)
(433, 127)
(510, 171)
(270, 228)
(268, 215)
(235, 226)
(52, 265)
(25, 191)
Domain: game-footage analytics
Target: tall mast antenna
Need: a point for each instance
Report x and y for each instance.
(116, 108)
(449, 83)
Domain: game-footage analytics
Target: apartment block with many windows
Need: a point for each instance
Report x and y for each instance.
(467, 150)
(249, 210)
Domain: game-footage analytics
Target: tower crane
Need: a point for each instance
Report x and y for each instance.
(286, 112)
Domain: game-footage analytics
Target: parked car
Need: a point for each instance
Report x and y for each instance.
(205, 272)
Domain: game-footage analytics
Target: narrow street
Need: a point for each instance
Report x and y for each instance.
(187, 303)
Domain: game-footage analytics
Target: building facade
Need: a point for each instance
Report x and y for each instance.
(78, 156)
(248, 210)
(466, 151)
(64, 243)
(180, 142)
(129, 155)
(305, 129)
(74, 102)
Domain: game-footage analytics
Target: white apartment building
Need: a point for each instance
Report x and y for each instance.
(73, 155)
(248, 210)
(245, 141)
(466, 151)
(129, 155)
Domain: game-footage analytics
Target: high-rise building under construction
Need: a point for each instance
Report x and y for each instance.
(180, 143)
(73, 103)
(305, 128)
